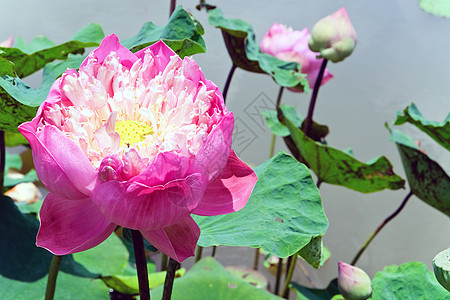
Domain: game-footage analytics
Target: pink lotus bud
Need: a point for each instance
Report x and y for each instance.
(353, 282)
(333, 36)
(292, 45)
(7, 43)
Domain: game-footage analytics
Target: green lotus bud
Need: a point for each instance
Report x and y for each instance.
(333, 36)
(353, 282)
(441, 266)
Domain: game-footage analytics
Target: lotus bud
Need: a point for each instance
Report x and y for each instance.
(333, 36)
(353, 282)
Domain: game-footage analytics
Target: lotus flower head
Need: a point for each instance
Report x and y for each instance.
(353, 282)
(140, 140)
(8, 43)
(288, 44)
(333, 36)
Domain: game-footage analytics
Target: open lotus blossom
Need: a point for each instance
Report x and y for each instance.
(138, 140)
(292, 45)
(8, 43)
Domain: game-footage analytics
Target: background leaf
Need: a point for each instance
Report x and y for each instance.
(245, 53)
(411, 280)
(337, 167)
(282, 215)
(440, 132)
(306, 293)
(30, 58)
(209, 280)
(181, 34)
(440, 8)
(426, 178)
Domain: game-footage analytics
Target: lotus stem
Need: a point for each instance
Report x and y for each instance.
(387, 220)
(227, 83)
(274, 137)
(198, 254)
(173, 4)
(278, 279)
(312, 102)
(256, 260)
(141, 264)
(2, 159)
(213, 253)
(170, 276)
(52, 275)
(285, 291)
(163, 262)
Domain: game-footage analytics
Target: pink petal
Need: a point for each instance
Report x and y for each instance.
(59, 162)
(69, 226)
(177, 241)
(162, 53)
(230, 191)
(165, 168)
(212, 156)
(138, 206)
(111, 44)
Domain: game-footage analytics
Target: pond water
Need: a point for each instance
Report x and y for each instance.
(402, 56)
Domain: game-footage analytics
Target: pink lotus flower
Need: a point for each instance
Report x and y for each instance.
(8, 43)
(137, 140)
(333, 36)
(292, 45)
(353, 282)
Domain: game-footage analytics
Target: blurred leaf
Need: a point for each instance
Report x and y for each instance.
(440, 132)
(337, 167)
(253, 277)
(282, 215)
(181, 34)
(245, 53)
(14, 139)
(440, 8)
(31, 176)
(306, 293)
(27, 208)
(20, 259)
(209, 280)
(128, 284)
(427, 179)
(68, 287)
(441, 267)
(31, 58)
(411, 280)
(313, 252)
(108, 258)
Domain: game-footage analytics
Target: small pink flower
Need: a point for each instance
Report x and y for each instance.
(137, 140)
(353, 282)
(8, 43)
(333, 36)
(292, 45)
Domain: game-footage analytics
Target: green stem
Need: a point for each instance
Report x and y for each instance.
(141, 264)
(284, 293)
(173, 4)
(312, 102)
(274, 137)
(52, 275)
(198, 254)
(256, 260)
(2, 159)
(387, 220)
(227, 83)
(278, 279)
(163, 262)
(170, 276)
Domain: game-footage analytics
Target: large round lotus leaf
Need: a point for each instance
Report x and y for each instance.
(282, 215)
(441, 266)
(209, 280)
(409, 281)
